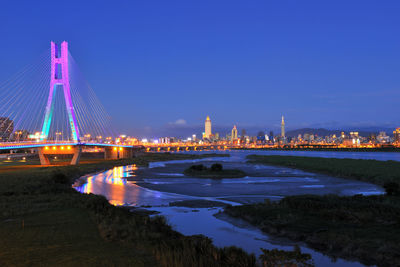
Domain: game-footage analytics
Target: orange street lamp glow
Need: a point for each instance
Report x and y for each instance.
(54, 148)
(115, 149)
(68, 147)
(46, 148)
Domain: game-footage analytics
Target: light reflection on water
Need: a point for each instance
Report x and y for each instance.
(113, 184)
(115, 177)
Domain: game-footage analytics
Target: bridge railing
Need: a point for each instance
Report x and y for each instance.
(34, 143)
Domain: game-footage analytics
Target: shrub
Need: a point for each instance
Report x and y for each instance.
(216, 167)
(392, 188)
(277, 257)
(199, 167)
(60, 178)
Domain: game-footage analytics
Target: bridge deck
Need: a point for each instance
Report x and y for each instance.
(12, 146)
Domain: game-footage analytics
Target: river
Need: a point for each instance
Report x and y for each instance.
(154, 187)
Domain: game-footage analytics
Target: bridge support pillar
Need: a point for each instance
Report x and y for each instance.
(77, 156)
(46, 152)
(118, 153)
(111, 153)
(44, 160)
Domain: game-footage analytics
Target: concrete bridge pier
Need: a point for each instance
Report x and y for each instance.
(44, 160)
(45, 152)
(77, 155)
(118, 153)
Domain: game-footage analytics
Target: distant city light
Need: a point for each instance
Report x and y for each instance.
(144, 140)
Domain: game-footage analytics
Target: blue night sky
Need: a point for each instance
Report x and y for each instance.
(165, 65)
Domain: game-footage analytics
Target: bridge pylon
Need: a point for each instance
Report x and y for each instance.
(60, 77)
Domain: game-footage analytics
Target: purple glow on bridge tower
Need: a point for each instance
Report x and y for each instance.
(60, 76)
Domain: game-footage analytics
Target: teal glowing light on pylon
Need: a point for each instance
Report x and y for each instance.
(59, 76)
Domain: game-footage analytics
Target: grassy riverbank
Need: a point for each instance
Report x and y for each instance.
(372, 171)
(43, 222)
(360, 228)
(363, 228)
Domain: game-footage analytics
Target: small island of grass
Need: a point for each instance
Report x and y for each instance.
(216, 171)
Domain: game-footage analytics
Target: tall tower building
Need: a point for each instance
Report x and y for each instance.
(283, 128)
(234, 135)
(207, 129)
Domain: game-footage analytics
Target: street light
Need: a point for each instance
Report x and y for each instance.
(57, 135)
(18, 133)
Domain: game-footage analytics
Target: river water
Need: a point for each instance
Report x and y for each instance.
(154, 187)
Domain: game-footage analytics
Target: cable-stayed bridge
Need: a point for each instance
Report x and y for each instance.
(49, 106)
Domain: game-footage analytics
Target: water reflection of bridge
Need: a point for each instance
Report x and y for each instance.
(116, 178)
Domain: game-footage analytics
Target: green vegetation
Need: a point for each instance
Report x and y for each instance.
(215, 172)
(363, 228)
(43, 221)
(383, 173)
(277, 257)
(358, 227)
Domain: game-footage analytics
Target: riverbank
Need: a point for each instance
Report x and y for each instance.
(365, 228)
(43, 221)
(372, 171)
(359, 228)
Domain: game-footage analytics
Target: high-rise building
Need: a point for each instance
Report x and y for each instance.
(6, 128)
(283, 128)
(271, 136)
(353, 134)
(234, 134)
(260, 137)
(372, 138)
(396, 135)
(207, 129)
(20, 135)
